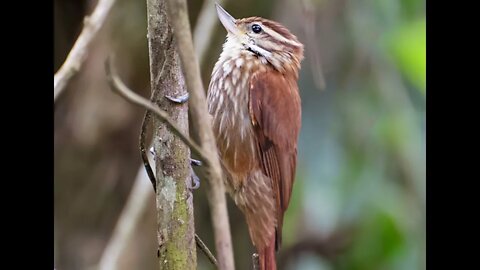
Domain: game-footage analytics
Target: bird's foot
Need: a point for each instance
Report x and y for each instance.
(195, 162)
(180, 99)
(195, 184)
(195, 179)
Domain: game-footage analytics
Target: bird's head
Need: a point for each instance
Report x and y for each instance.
(268, 40)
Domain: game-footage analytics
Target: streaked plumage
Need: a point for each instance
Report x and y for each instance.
(254, 100)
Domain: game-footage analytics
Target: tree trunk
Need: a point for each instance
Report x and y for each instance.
(176, 232)
(177, 9)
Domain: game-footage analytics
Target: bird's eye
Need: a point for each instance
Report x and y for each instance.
(256, 28)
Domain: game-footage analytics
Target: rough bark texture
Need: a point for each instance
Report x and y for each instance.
(202, 126)
(174, 200)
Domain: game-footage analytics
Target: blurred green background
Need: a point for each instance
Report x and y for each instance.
(359, 197)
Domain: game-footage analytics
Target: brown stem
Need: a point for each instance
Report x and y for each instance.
(205, 250)
(79, 52)
(177, 11)
(120, 88)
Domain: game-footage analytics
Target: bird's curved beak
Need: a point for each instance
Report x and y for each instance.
(227, 20)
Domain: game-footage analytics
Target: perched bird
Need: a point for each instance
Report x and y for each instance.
(254, 101)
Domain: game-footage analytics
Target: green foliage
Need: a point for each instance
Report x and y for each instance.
(380, 241)
(407, 45)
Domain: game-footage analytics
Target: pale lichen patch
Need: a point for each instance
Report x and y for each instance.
(169, 190)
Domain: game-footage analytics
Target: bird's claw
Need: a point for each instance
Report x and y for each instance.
(195, 182)
(195, 162)
(195, 179)
(180, 100)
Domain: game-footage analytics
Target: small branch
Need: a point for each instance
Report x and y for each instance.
(79, 51)
(120, 88)
(138, 199)
(205, 250)
(178, 13)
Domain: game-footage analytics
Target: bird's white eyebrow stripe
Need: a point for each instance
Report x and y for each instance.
(279, 37)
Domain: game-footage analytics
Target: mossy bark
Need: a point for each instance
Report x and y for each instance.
(176, 232)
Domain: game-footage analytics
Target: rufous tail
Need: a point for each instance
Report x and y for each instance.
(266, 256)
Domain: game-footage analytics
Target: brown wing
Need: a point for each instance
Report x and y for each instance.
(276, 115)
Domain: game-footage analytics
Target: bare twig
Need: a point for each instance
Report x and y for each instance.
(139, 198)
(205, 250)
(177, 11)
(120, 88)
(76, 57)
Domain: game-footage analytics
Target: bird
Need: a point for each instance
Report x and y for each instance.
(254, 102)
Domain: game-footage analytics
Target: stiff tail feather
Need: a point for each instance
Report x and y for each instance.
(266, 256)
